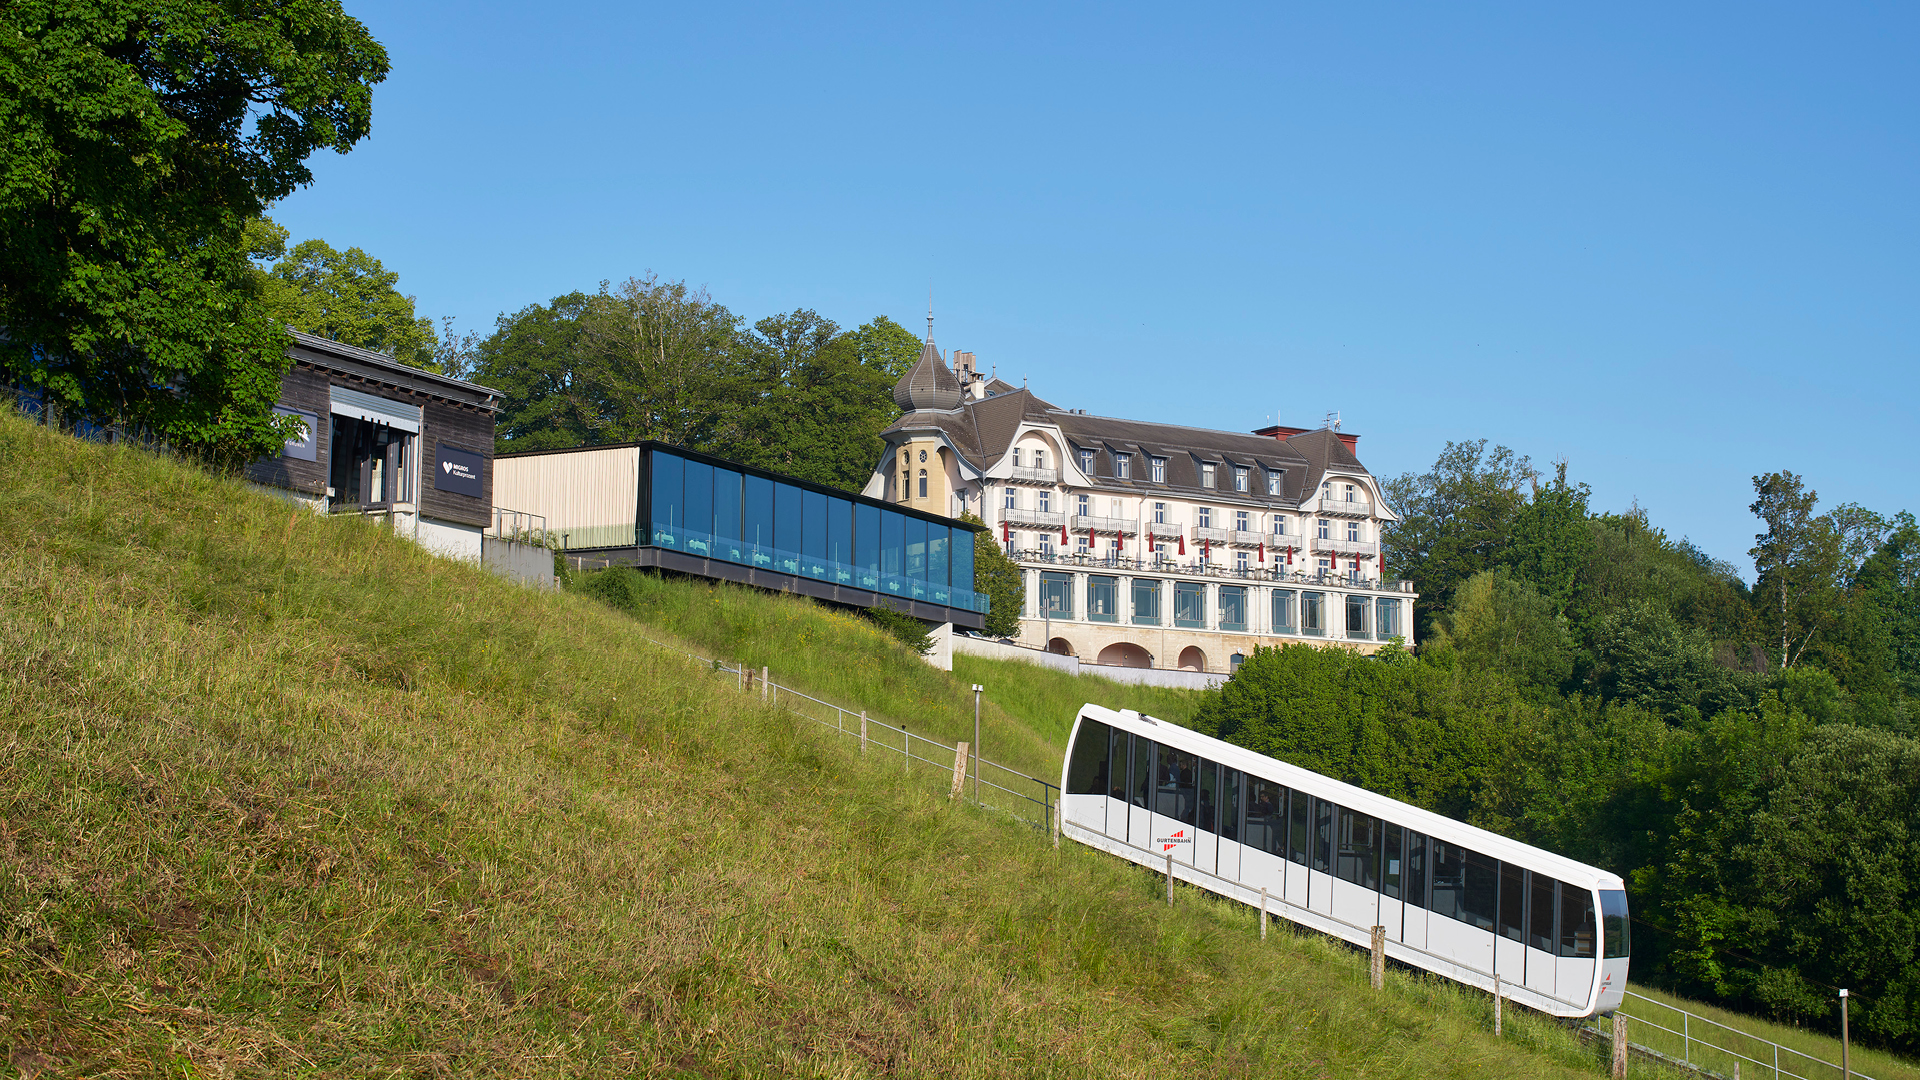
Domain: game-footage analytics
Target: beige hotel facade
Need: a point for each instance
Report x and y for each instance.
(1146, 544)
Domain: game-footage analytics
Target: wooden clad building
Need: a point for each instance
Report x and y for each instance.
(387, 440)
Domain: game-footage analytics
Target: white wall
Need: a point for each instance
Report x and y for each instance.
(1073, 665)
(448, 539)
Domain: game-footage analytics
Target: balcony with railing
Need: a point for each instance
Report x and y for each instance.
(1024, 474)
(1343, 507)
(1363, 549)
(1084, 523)
(1248, 538)
(1217, 536)
(1036, 518)
(1167, 529)
(1160, 563)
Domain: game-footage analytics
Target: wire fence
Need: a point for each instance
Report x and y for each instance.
(1673, 1035)
(988, 784)
(1658, 1031)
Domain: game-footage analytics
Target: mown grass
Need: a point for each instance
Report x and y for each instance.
(286, 795)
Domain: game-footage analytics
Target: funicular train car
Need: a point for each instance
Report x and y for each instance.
(1455, 900)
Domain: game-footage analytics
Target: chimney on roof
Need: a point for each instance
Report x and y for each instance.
(1282, 433)
(963, 365)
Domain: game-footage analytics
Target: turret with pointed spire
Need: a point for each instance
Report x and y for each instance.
(928, 386)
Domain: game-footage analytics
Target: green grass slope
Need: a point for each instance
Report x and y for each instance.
(282, 795)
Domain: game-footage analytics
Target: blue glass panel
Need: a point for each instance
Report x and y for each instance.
(866, 546)
(756, 525)
(787, 520)
(669, 487)
(840, 539)
(813, 534)
(939, 540)
(699, 508)
(726, 516)
(916, 549)
(963, 560)
(893, 550)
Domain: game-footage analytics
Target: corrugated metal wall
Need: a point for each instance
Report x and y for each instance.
(590, 495)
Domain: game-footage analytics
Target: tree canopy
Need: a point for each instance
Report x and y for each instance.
(136, 143)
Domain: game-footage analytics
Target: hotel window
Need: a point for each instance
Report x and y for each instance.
(1233, 607)
(1122, 466)
(1114, 509)
(1082, 505)
(1203, 517)
(1046, 543)
(1240, 473)
(1189, 605)
(1326, 490)
(1326, 527)
(1353, 532)
(1357, 617)
(1313, 614)
(1274, 479)
(1146, 602)
(1283, 611)
(1086, 462)
(1241, 522)
(1240, 561)
(1159, 470)
(923, 483)
(1387, 619)
(1044, 502)
(1351, 496)
(1080, 543)
(1326, 564)
(1206, 475)
(1016, 457)
(1039, 459)
(1012, 499)
(1279, 524)
(1103, 599)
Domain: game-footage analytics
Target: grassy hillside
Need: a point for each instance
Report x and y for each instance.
(282, 794)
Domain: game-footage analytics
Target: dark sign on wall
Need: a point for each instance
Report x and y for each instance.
(458, 471)
(306, 447)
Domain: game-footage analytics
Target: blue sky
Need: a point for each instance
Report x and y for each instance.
(1676, 245)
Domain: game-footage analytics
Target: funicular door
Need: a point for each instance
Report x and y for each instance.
(1299, 829)
(1542, 899)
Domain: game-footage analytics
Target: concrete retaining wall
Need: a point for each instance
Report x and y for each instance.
(1073, 665)
(528, 564)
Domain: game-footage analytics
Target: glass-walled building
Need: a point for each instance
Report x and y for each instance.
(651, 504)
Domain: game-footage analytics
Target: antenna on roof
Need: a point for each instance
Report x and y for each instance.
(1333, 420)
(929, 311)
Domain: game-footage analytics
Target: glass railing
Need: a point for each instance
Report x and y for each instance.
(766, 557)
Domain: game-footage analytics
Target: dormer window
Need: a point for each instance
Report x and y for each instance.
(1086, 462)
(1159, 470)
(1326, 489)
(1039, 459)
(1016, 457)
(1206, 474)
(1350, 494)
(1240, 477)
(1122, 466)
(1275, 478)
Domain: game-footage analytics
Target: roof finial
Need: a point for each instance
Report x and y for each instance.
(929, 311)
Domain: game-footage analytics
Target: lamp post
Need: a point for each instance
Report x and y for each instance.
(976, 742)
(1846, 1066)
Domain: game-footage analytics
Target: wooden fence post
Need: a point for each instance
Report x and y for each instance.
(765, 687)
(743, 676)
(863, 731)
(1377, 967)
(1496, 1006)
(1169, 879)
(1263, 913)
(959, 770)
(1619, 1046)
(1055, 816)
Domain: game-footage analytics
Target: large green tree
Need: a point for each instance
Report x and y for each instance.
(349, 297)
(136, 142)
(1454, 519)
(998, 576)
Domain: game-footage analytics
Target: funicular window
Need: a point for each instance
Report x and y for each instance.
(1613, 913)
(1117, 769)
(1358, 855)
(1576, 923)
(1266, 817)
(1449, 863)
(1482, 894)
(1209, 796)
(1540, 910)
(1087, 772)
(1230, 803)
(1143, 751)
(1176, 773)
(1513, 901)
(1391, 864)
(1300, 827)
(1416, 868)
(1324, 813)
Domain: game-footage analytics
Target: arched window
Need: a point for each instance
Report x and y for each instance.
(923, 483)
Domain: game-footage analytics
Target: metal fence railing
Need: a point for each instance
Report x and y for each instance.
(1673, 1035)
